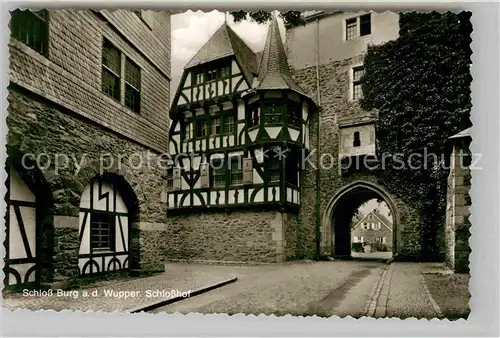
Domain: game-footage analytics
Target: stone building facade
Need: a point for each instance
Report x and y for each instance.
(87, 123)
(458, 203)
(326, 60)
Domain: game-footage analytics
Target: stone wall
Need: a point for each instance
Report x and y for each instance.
(41, 130)
(457, 224)
(291, 227)
(335, 104)
(236, 236)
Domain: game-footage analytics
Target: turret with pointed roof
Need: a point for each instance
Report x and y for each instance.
(274, 72)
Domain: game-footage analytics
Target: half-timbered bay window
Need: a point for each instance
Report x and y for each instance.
(132, 86)
(102, 231)
(274, 168)
(31, 28)
(111, 70)
(273, 112)
(218, 173)
(294, 113)
(291, 169)
(253, 115)
(235, 171)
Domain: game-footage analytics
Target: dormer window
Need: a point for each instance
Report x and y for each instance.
(357, 141)
(211, 75)
(225, 71)
(198, 77)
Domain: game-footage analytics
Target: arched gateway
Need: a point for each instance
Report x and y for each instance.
(336, 220)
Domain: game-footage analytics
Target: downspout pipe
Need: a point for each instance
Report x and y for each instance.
(318, 153)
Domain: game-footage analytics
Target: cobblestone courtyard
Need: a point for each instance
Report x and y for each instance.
(344, 288)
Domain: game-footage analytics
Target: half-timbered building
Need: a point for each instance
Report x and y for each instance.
(239, 129)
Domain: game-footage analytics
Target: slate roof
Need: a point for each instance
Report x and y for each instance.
(274, 72)
(225, 42)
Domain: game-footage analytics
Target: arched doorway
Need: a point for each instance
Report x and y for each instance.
(108, 206)
(337, 222)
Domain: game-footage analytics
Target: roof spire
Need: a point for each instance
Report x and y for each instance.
(274, 72)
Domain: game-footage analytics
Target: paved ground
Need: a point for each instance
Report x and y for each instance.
(451, 293)
(344, 288)
(298, 289)
(339, 288)
(178, 277)
(373, 255)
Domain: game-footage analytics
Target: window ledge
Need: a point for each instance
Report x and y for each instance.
(97, 251)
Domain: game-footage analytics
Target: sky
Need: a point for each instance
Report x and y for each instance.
(191, 30)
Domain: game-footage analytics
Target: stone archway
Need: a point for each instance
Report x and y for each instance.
(335, 223)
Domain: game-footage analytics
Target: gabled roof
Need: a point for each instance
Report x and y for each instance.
(380, 217)
(225, 42)
(274, 72)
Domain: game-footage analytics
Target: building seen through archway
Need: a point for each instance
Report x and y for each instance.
(371, 230)
(363, 223)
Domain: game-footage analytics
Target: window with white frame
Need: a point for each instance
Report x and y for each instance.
(357, 81)
(358, 26)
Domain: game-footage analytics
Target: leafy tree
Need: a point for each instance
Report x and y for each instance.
(292, 18)
(420, 86)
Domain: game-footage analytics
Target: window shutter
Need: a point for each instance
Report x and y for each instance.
(177, 179)
(372, 136)
(204, 176)
(247, 171)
